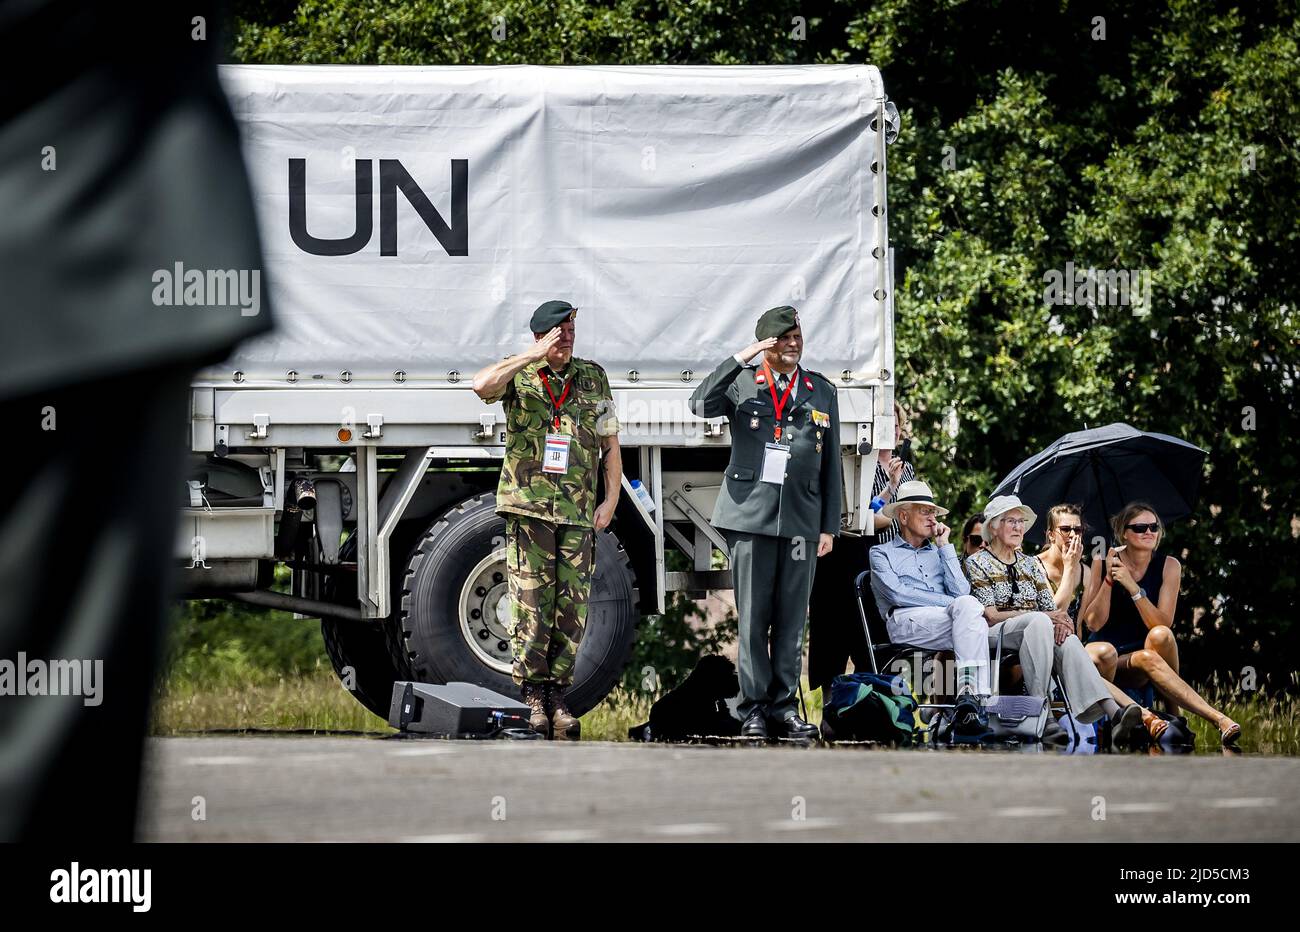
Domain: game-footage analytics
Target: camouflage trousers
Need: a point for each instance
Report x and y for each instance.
(549, 567)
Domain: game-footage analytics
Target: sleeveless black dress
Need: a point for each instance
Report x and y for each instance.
(1125, 627)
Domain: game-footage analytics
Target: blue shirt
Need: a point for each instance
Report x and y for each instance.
(903, 576)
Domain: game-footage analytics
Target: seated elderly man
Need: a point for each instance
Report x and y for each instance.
(1017, 599)
(925, 600)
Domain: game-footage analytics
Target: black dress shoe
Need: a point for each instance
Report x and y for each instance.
(755, 725)
(795, 727)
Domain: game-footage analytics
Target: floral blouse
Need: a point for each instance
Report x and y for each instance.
(1019, 586)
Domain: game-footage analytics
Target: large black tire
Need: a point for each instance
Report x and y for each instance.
(369, 651)
(364, 648)
(429, 611)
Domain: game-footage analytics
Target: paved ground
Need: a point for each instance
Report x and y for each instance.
(372, 789)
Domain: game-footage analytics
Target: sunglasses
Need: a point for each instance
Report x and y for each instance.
(975, 539)
(1143, 528)
(1013, 578)
(1071, 529)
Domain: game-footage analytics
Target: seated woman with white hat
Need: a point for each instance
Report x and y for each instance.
(1016, 598)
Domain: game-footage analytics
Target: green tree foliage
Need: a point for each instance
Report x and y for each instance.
(217, 643)
(567, 32)
(669, 646)
(1159, 136)
(1168, 146)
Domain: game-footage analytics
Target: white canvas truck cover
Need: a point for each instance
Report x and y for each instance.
(412, 218)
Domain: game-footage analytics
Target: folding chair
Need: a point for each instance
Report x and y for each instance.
(879, 645)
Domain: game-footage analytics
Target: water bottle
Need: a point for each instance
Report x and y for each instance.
(643, 496)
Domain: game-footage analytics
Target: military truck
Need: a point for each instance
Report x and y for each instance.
(672, 205)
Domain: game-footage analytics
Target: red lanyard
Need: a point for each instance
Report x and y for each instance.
(779, 406)
(555, 405)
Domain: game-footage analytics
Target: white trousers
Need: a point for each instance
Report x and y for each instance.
(963, 629)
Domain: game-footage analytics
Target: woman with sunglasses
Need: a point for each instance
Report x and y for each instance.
(1073, 587)
(972, 540)
(1131, 615)
(1018, 602)
(1063, 560)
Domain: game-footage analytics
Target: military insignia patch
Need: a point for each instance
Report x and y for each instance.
(587, 385)
(760, 379)
(821, 418)
(807, 381)
(819, 446)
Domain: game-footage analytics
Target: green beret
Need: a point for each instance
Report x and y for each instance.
(777, 321)
(551, 314)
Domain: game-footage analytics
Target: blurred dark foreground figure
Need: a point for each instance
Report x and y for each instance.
(119, 158)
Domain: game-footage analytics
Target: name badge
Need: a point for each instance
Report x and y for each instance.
(775, 458)
(555, 456)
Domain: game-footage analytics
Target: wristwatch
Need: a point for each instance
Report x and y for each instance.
(1140, 594)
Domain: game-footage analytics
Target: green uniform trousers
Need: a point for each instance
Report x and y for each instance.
(773, 577)
(549, 568)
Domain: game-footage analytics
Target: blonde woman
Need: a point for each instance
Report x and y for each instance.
(1063, 560)
(1131, 615)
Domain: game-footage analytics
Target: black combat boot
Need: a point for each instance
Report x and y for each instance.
(565, 725)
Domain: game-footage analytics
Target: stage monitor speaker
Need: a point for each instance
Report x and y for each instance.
(456, 710)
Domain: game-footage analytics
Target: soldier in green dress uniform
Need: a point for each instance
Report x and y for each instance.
(560, 418)
(779, 508)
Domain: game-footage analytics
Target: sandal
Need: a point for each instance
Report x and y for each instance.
(1155, 725)
(1229, 735)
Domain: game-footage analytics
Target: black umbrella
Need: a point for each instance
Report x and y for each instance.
(1103, 470)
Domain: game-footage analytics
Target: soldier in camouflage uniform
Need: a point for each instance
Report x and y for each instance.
(559, 419)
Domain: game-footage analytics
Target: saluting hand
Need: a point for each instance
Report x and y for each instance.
(753, 349)
(541, 347)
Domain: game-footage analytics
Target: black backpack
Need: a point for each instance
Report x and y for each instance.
(870, 707)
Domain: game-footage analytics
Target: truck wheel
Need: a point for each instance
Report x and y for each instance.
(454, 613)
(360, 650)
(366, 651)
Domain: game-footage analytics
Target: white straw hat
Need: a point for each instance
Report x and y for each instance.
(1000, 506)
(915, 492)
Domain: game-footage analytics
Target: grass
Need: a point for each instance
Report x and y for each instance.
(610, 720)
(313, 701)
(317, 702)
(1269, 724)
(245, 699)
